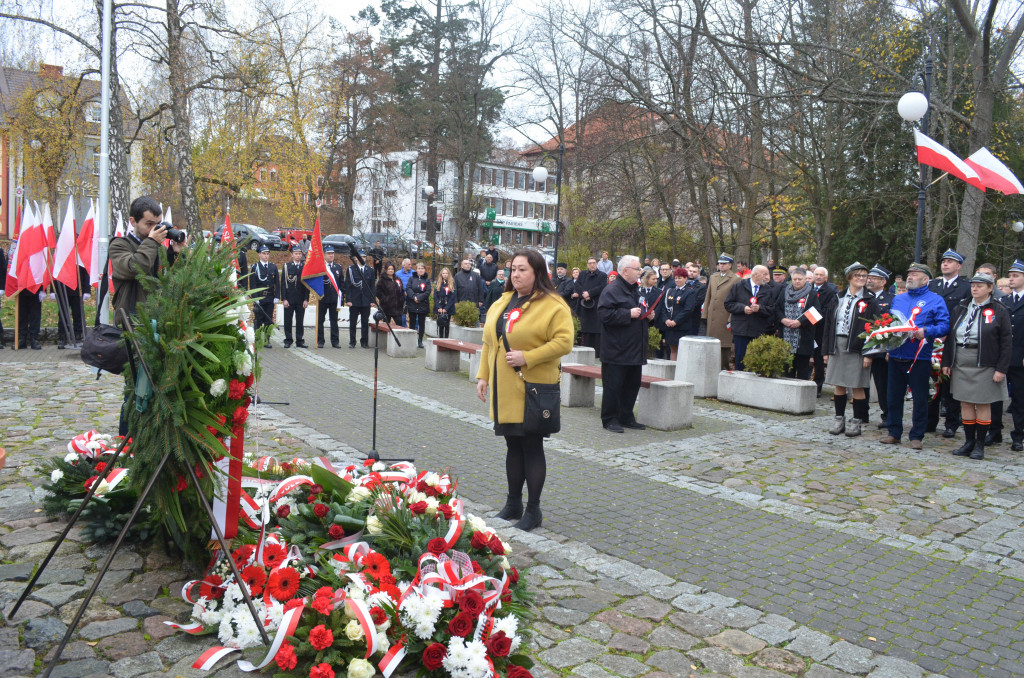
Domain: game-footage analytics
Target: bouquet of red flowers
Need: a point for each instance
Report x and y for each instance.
(885, 333)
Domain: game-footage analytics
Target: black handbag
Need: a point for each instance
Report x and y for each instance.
(103, 346)
(542, 414)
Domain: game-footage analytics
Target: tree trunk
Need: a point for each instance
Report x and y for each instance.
(974, 199)
(179, 114)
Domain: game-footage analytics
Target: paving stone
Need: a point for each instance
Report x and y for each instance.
(850, 658)
(130, 644)
(545, 572)
(739, 617)
(181, 645)
(584, 604)
(756, 672)
(155, 628)
(16, 572)
(76, 649)
(673, 663)
(594, 630)
(773, 635)
(571, 653)
(17, 662)
(56, 595)
(563, 616)
(81, 668)
(623, 666)
(737, 642)
(689, 602)
(779, 660)
(102, 629)
(62, 575)
(24, 537)
(645, 607)
(138, 609)
(810, 643)
(819, 671)
(97, 611)
(695, 624)
(130, 667)
(667, 636)
(717, 660)
(893, 667)
(9, 638)
(30, 609)
(589, 670)
(627, 643)
(549, 631)
(647, 579)
(43, 631)
(171, 606)
(134, 591)
(624, 623)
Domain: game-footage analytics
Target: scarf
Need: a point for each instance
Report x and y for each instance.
(794, 309)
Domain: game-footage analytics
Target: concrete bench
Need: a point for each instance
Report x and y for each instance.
(444, 355)
(407, 338)
(662, 404)
(657, 367)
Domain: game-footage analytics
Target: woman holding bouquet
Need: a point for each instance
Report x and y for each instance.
(535, 321)
(843, 349)
(976, 359)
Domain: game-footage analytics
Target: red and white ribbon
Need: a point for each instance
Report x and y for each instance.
(194, 629)
(392, 658)
(115, 477)
(212, 656)
(289, 622)
(290, 484)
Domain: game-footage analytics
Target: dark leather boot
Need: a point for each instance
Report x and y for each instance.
(970, 434)
(979, 444)
(513, 509)
(532, 518)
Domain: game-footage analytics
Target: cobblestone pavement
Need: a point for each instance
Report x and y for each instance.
(753, 545)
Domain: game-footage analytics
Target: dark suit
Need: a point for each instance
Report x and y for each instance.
(328, 306)
(1015, 375)
(826, 298)
(360, 289)
(747, 327)
(957, 291)
(264, 276)
(594, 283)
(295, 293)
(879, 367)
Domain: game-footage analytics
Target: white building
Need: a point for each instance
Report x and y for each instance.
(390, 198)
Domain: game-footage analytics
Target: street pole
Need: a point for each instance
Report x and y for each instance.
(103, 218)
(922, 194)
(558, 197)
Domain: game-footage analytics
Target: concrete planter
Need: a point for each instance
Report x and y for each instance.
(431, 327)
(792, 396)
(699, 362)
(471, 335)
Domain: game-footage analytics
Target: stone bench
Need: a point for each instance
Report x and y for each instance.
(444, 355)
(663, 404)
(405, 336)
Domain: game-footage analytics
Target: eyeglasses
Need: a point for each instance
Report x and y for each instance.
(632, 268)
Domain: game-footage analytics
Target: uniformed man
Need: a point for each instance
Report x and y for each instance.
(329, 302)
(359, 292)
(263, 275)
(1015, 303)
(713, 309)
(587, 290)
(296, 298)
(878, 284)
(953, 288)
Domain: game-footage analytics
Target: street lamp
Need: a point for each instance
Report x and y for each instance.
(428, 192)
(1016, 227)
(540, 176)
(913, 106)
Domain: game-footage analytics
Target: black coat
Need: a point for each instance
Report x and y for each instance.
(270, 282)
(564, 285)
(417, 294)
(700, 291)
(1017, 327)
(867, 311)
(292, 289)
(593, 282)
(444, 299)
(995, 345)
(825, 298)
(469, 286)
(357, 292)
(884, 300)
(391, 295)
(488, 271)
(958, 291)
(623, 338)
(677, 305)
(754, 324)
(495, 289)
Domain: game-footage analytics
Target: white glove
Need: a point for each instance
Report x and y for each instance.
(42, 295)
(276, 300)
(52, 296)
(86, 296)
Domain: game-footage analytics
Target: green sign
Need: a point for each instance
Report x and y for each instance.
(491, 213)
(407, 168)
(545, 226)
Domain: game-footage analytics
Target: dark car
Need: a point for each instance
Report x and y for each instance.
(340, 242)
(252, 235)
(392, 244)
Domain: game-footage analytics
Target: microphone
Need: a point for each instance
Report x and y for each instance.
(353, 252)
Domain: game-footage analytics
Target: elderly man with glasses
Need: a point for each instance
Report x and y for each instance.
(623, 346)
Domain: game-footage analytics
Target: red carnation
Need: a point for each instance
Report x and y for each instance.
(518, 672)
(236, 389)
(285, 657)
(210, 588)
(222, 419)
(433, 656)
(513, 575)
(497, 548)
(283, 510)
(419, 508)
(499, 644)
(369, 462)
(437, 546)
(378, 615)
(386, 578)
(461, 625)
(324, 591)
(446, 510)
(316, 489)
(322, 604)
(480, 540)
(273, 555)
(249, 381)
(255, 577)
(320, 637)
(283, 583)
(182, 484)
(294, 603)
(322, 670)
(88, 483)
(471, 602)
(240, 415)
(335, 532)
(867, 327)
(100, 467)
(320, 510)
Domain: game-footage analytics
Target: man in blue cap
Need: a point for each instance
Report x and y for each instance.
(296, 298)
(263, 275)
(878, 282)
(329, 301)
(953, 288)
(1015, 303)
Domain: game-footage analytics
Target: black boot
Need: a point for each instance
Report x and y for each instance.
(513, 509)
(970, 435)
(979, 444)
(532, 518)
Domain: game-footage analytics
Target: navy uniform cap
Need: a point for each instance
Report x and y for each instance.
(264, 248)
(1017, 266)
(880, 271)
(296, 248)
(328, 249)
(955, 256)
(724, 258)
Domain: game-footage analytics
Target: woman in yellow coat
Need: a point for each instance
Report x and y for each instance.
(538, 324)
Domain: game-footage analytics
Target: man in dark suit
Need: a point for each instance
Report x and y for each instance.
(360, 295)
(263, 275)
(588, 290)
(953, 288)
(878, 283)
(329, 302)
(296, 299)
(1015, 303)
(752, 305)
(826, 295)
(623, 346)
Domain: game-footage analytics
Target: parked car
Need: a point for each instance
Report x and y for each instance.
(340, 242)
(393, 244)
(253, 236)
(291, 236)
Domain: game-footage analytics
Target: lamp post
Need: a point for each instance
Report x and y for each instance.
(913, 106)
(540, 175)
(428, 192)
(1016, 227)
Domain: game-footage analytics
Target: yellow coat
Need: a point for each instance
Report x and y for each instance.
(544, 333)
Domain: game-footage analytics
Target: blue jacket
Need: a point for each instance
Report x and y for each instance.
(933, 319)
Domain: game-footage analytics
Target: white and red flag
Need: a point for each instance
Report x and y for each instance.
(65, 263)
(51, 236)
(934, 154)
(993, 173)
(32, 254)
(11, 284)
(88, 247)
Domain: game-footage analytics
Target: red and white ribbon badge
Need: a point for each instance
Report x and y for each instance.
(512, 318)
(988, 313)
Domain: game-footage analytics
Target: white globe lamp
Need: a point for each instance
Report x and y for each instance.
(912, 106)
(540, 174)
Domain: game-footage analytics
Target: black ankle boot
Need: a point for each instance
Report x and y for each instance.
(979, 444)
(532, 518)
(513, 509)
(970, 434)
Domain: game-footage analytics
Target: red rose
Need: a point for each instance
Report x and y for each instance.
(311, 499)
(506, 597)
(480, 540)
(499, 644)
(476, 568)
(446, 510)
(471, 602)
(335, 531)
(236, 389)
(100, 467)
(283, 510)
(437, 546)
(419, 508)
(497, 548)
(320, 637)
(433, 656)
(316, 489)
(422, 486)
(285, 657)
(518, 672)
(513, 576)
(321, 671)
(320, 510)
(378, 615)
(461, 625)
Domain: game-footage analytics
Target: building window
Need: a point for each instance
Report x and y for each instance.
(92, 111)
(520, 208)
(319, 182)
(96, 161)
(511, 179)
(478, 175)
(530, 183)
(521, 181)
(263, 175)
(273, 175)
(499, 205)
(499, 178)
(551, 185)
(549, 212)
(529, 210)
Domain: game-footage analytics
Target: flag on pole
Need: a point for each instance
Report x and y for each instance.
(316, 267)
(227, 236)
(32, 254)
(88, 245)
(118, 233)
(12, 285)
(17, 223)
(65, 263)
(993, 173)
(51, 237)
(934, 154)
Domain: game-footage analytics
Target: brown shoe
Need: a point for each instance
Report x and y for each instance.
(889, 440)
(915, 445)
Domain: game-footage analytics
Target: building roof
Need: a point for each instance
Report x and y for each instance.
(15, 82)
(596, 127)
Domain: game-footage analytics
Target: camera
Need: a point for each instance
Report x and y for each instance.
(173, 234)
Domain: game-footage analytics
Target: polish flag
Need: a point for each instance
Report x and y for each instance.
(65, 264)
(12, 285)
(934, 154)
(227, 237)
(994, 174)
(88, 245)
(32, 254)
(51, 237)
(118, 233)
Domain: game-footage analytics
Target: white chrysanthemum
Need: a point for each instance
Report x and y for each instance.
(476, 523)
(244, 313)
(71, 457)
(477, 665)
(226, 634)
(275, 613)
(458, 655)
(373, 525)
(211, 617)
(379, 599)
(510, 625)
(55, 475)
(250, 335)
(233, 592)
(218, 388)
(248, 635)
(378, 466)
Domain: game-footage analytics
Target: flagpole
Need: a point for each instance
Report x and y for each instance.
(17, 322)
(103, 218)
